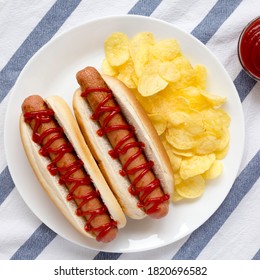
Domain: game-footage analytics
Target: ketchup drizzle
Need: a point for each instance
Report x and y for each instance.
(122, 147)
(66, 172)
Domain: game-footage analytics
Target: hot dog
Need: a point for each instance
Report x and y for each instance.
(124, 143)
(66, 169)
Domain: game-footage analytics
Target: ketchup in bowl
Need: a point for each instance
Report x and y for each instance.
(249, 49)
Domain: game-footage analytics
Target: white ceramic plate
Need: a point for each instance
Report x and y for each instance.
(52, 71)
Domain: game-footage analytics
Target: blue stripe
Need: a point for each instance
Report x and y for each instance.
(200, 237)
(244, 84)
(40, 35)
(214, 19)
(107, 256)
(257, 256)
(35, 244)
(6, 184)
(144, 7)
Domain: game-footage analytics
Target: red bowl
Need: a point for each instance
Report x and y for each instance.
(249, 49)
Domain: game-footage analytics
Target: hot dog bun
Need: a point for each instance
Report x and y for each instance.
(100, 146)
(50, 183)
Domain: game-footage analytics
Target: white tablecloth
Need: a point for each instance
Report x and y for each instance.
(233, 232)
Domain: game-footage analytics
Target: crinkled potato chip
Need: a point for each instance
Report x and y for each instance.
(214, 171)
(147, 102)
(117, 48)
(223, 140)
(195, 165)
(215, 120)
(166, 49)
(175, 160)
(221, 154)
(187, 73)
(169, 71)
(176, 118)
(108, 69)
(183, 153)
(186, 115)
(201, 76)
(191, 188)
(142, 39)
(150, 81)
(179, 139)
(194, 124)
(126, 74)
(177, 178)
(173, 103)
(149, 84)
(159, 122)
(139, 48)
(214, 100)
(196, 100)
(206, 144)
(176, 197)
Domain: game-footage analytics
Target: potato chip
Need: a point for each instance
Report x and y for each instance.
(183, 153)
(108, 69)
(187, 73)
(176, 197)
(141, 39)
(214, 171)
(194, 124)
(188, 118)
(183, 64)
(159, 122)
(177, 178)
(127, 75)
(147, 102)
(221, 154)
(201, 76)
(176, 152)
(195, 165)
(196, 99)
(166, 49)
(207, 143)
(194, 127)
(150, 81)
(214, 100)
(139, 49)
(173, 103)
(177, 118)
(174, 159)
(169, 71)
(191, 188)
(223, 140)
(179, 139)
(215, 120)
(166, 145)
(117, 48)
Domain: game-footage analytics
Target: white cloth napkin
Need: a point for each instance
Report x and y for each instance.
(233, 232)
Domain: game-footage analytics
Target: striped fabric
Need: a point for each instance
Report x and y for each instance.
(233, 231)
